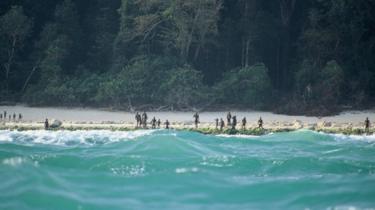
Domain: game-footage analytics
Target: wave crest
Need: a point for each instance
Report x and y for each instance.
(70, 138)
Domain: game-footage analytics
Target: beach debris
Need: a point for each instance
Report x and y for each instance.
(311, 126)
(327, 124)
(56, 124)
(324, 124)
(298, 124)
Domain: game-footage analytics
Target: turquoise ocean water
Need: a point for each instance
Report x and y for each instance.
(185, 170)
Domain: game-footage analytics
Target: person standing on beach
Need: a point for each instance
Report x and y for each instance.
(14, 117)
(244, 123)
(19, 116)
(367, 125)
(222, 124)
(216, 123)
(1, 116)
(166, 124)
(196, 119)
(46, 124)
(229, 116)
(159, 122)
(5, 115)
(234, 122)
(144, 119)
(138, 119)
(153, 123)
(260, 123)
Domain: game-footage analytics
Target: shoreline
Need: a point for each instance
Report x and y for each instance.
(95, 119)
(204, 128)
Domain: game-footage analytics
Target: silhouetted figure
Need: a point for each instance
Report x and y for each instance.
(222, 124)
(367, 125)
(153, 123)
(260, 123)
(1, 116)
(19, 117)
(196, 119)
(159, 122)
(216, 123)
(138, 119)
(14, 116)
(167, 124)
(234, 122)
(141, 120)
(5, 115)
(46, 124)
(144, 119)
(229, 117)
(244, 123)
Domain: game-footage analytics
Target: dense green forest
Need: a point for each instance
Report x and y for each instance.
(309, 56)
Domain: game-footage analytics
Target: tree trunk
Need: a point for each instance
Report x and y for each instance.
(243, 52)
(285, 56)
(247, 52)
(8, 64)
(278, 65)
(29, 77)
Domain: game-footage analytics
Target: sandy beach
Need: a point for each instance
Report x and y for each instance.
(103, 119)
(87, 115)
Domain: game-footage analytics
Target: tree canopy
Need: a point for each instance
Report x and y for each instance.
(289, 56)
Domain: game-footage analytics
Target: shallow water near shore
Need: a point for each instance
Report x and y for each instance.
(185, 170)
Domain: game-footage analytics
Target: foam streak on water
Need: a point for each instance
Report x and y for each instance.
(184, 170)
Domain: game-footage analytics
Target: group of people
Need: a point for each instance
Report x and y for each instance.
(5, 116)
(231, 122)
(142, 121)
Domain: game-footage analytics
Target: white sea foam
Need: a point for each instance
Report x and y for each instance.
(71, 137)
(218, 161)
(366, 138)
(237, 136)
(17, 161)
(130, 170)
(337, 136)
(347, 208)
(14, 161)
(332, 151)
(186, 170)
